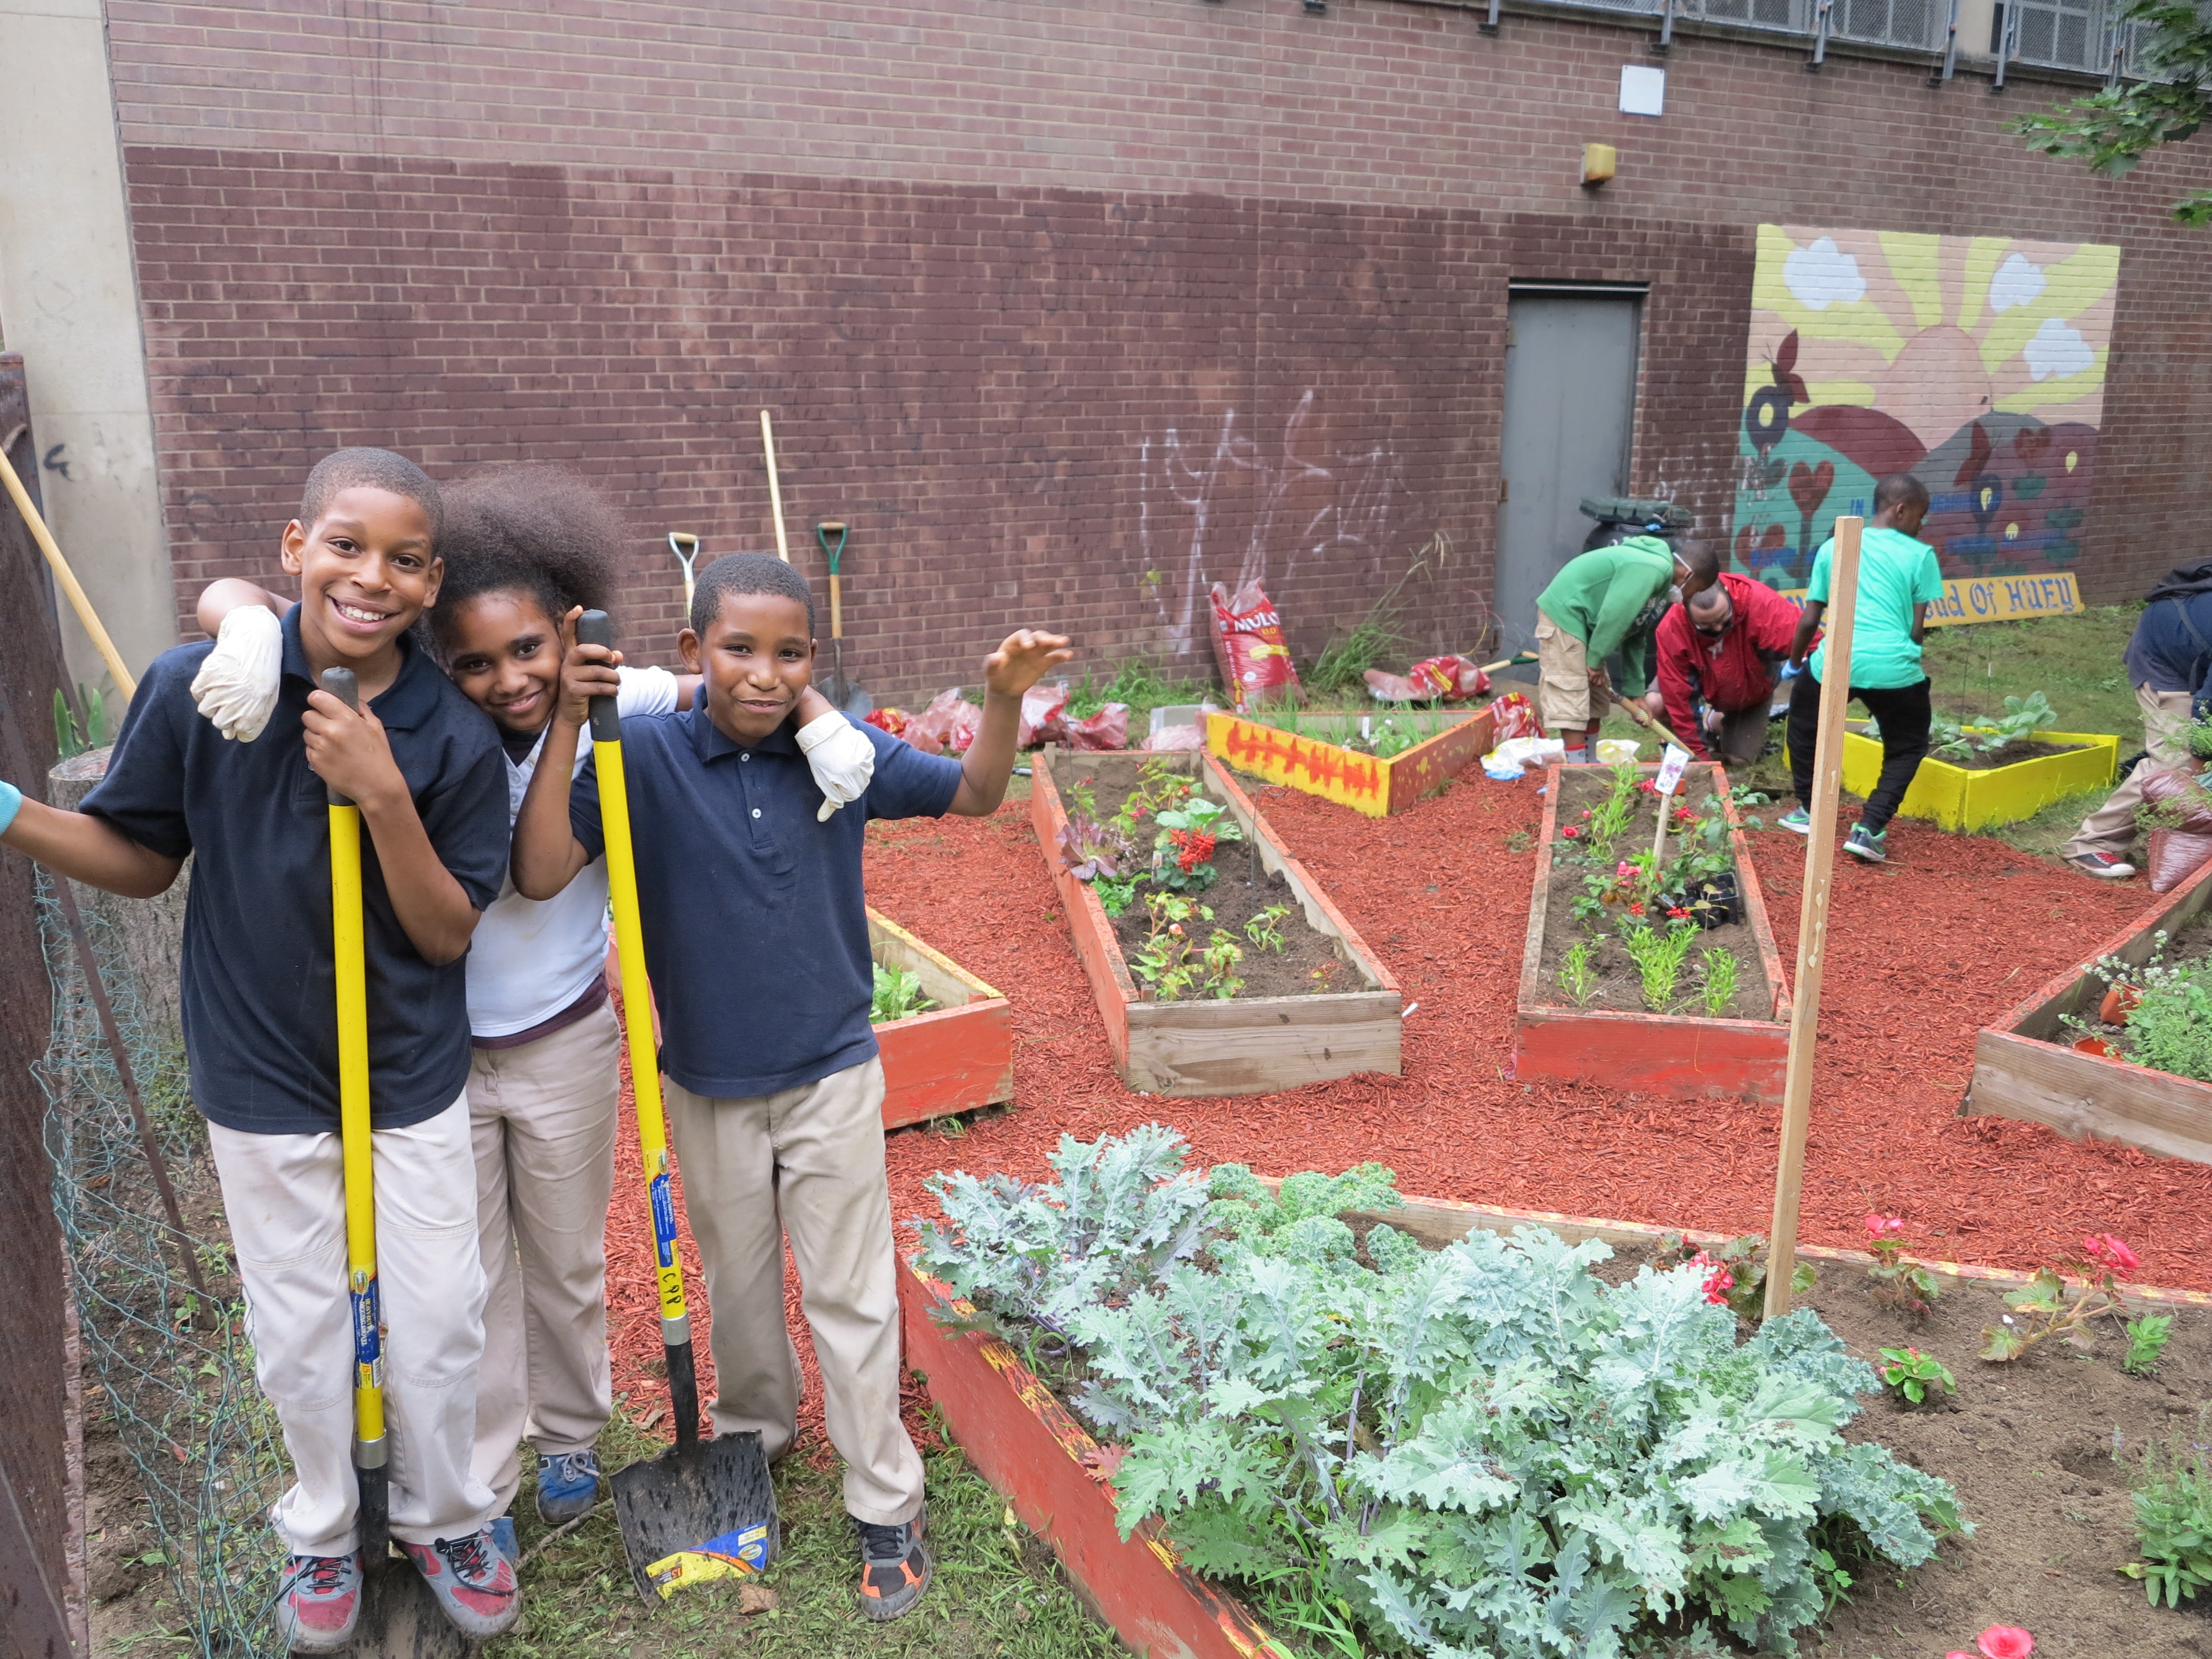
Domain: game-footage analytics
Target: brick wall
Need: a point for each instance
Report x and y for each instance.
(1064, 308)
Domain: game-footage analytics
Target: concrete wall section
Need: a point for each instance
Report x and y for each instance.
(69, 303)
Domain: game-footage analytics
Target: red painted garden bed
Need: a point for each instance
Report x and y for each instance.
(958, 1055)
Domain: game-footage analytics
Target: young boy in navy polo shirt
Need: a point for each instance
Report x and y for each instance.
(756, 939)
(261, 1024)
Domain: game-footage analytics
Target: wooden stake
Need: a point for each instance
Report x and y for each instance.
(1813, 915)
(774, 489)
(125, 681)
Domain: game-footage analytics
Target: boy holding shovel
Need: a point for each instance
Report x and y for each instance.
(756, 942)
(260, 1020)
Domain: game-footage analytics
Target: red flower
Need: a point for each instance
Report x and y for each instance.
(1571, 832)
(1635, 909)
(2005, 1642)
(1650, 786)
(1678, 914)
(1877, 1225)
(2108, 1251)
(1718, 1280)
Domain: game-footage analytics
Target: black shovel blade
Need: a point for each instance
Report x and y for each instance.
(400, 1618)
(846, 698)
(697, 1513)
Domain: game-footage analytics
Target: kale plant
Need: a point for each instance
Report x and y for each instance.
(1481, 1449)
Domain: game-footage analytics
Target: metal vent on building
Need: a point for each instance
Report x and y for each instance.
(2060, 34)
(1912, 24)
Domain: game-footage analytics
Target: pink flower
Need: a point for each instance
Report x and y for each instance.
(1650, 786)
(2109, 1250)
(2005, 1642)
(1718, 1280)
(1571, 832)
(1624, 870)
(1878, 1225)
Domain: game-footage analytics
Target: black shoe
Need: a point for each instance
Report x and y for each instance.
(895, 1567)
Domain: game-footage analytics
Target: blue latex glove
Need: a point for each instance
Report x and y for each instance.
(11, 798)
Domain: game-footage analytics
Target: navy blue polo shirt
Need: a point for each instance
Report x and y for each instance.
(259, 996)
(756, 930)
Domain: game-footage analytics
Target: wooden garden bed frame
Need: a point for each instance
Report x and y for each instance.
(1961, 799)
(2026, 1066)
(955, 1058)
(1678, 1055)
(1041, 1459)
(1245, 1045)
(1365, 783)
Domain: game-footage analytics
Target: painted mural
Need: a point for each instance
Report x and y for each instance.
(1976, 362)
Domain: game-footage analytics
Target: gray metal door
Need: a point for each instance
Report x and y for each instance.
(1569, 413)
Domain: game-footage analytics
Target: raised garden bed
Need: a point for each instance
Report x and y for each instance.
(953, 1058)
(1249, 1043)
(2026, 1065)
(1962, 797)
(2029, 1447)
(1614, 1037)
(1309, 751)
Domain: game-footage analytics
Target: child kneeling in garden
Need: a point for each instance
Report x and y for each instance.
(756, 936)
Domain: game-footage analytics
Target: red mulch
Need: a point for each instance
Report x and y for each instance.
(1923, 953)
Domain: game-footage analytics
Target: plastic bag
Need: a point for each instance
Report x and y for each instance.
(1177, 737)
(893, 721)
(2192, 813)
(1107, 729)
(1044, 714)
(1616, 752)
(1505, 762)
(1452, 680)
(1250, 649)
(948, 725)
(1515, 717)
(2175, 855)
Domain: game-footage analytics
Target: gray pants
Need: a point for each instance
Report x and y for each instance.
(805, 1164)
(1741, 738)
(2111, 828)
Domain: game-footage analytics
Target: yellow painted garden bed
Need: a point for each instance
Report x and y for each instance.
(1961, 800)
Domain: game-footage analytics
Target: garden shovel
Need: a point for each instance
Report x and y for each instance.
(702, 1509)
(399, 1613)
(840, 691)
(685, 546)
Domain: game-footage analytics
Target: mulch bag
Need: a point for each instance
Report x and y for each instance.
(1516, 718)
(1250, 649)
(1107, 729)
(1044, 714)
(948, 725)
(1177, 737)
(2175, 855)
(1448, 679)
(893, 721)
(2179, 847)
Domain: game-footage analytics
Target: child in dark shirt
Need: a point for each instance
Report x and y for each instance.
(756, 939)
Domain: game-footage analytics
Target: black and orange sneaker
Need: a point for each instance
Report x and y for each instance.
(895, 1567)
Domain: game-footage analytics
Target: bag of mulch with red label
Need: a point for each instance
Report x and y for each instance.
(892, 720)
(1448, 679)
(1250, 649)
(1516, 718)
(1107, 729)
(2175, 856)
(948, 725)
(1044, 714)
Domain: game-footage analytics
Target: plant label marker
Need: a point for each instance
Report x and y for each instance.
(1670, 779)
(1812, 916)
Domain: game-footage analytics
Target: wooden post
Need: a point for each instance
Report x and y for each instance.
(1813, 914)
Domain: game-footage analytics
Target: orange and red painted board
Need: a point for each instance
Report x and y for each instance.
(1673, 1054)
(1042, 1461)
(955, 1058)
(1365, 783)
(2026, 1065)
(1246, 1045)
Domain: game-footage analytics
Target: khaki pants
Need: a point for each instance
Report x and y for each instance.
(1564, 697)
(807, 1164)
(2111, 827)
(285, 1196)
(542, 1120)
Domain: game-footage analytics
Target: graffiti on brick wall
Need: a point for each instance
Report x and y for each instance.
(1233, 510)
(1975, 363)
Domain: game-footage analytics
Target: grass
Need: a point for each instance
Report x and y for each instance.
(998, 1594)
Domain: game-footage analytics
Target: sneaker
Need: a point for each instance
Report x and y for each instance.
(567, 1485)
(502, 1536)
(1795, 819)
(473, 1582)
(1872, 845)
(318, 1602)
(895, 1567)
(2103, 866)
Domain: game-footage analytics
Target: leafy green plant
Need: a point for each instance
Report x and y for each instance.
(1742, 1260)
(1182, 851)
(1265, 930)
(72, 738)
(897, 994)
(2147, 1340)
(2174, 1517)
(1658, 954)
(1169, 962)
(1578, 974)
(1719, 967)
(1223, 954)
(2170, 1029)
(1914, 1375)
(1483, 1448)
(2023, 717)
(1115, 893)
(1897, 1283)
(2043, 1308)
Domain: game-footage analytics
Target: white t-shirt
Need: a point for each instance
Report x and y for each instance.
(530, 958)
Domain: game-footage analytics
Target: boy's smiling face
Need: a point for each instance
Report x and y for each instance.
(367, 569)
(757, 659)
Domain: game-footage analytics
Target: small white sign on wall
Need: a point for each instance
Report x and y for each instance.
(1642, 89)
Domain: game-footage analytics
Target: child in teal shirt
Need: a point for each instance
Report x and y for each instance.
(1898, 579)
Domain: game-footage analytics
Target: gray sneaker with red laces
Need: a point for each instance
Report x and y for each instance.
(473, 1582)
(318, 1601)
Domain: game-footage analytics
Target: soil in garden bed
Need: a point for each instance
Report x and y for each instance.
(2021, 749)
(1619, 988)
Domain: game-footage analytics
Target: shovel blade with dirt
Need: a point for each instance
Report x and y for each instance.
(400, 1618)
(697, 1513)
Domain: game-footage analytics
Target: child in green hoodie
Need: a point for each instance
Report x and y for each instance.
(1607, 599)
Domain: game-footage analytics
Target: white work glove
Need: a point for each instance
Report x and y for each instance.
(841, 757)
(236, 686)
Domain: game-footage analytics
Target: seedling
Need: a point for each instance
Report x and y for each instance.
(897, 994)
(2042, 1308)
(2174, 1518)
(1266, 929)
(1744, 1259)
(1898, 1283)
(2146, 1339)
(1577, 977)
(1658, 953)
(1914, 1375)
(1719, 965)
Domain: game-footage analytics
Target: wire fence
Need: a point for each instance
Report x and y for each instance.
(173, 1369)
